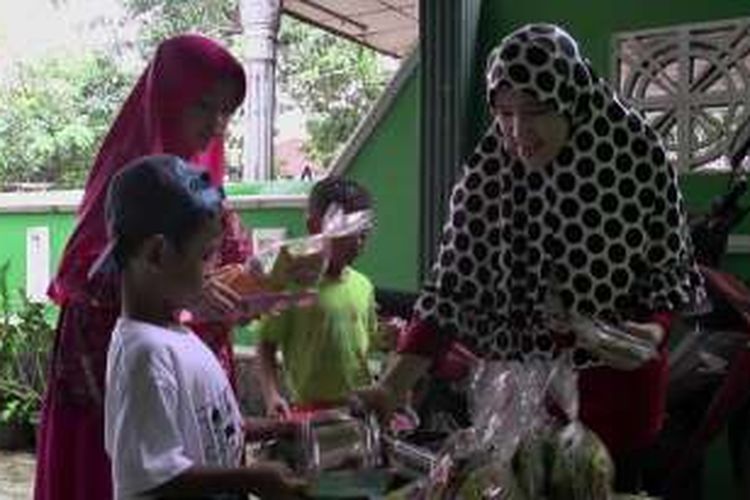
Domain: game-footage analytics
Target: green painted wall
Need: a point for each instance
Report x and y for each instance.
(291, 218)
(13, 241)
(13, 227)
(388, 165)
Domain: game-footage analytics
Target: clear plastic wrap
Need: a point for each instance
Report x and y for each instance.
(285, 273)
(302, 262)
(525, 443)
(612, 343)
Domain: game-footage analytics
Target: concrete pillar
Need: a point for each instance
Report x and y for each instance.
(260, 23)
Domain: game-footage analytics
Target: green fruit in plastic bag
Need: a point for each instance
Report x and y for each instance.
(582, 469)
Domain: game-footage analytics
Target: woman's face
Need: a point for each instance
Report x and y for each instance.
(208, 117)
(532, 131)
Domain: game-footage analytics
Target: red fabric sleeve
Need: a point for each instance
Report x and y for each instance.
(626, 408)
(665, 319)
(450, 359)
(422, 338)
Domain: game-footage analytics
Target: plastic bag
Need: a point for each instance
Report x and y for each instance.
(284, 274)
(611, 343)
(525, 442)
(614, 345)
(302, 262)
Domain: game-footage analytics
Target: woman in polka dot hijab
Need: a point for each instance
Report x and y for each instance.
(601, 222)
(567, 195)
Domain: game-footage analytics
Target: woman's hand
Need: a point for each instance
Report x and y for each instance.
(653, 332)
(217, 297)
(623, 356)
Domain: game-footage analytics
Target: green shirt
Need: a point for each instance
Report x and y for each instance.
(325, 346)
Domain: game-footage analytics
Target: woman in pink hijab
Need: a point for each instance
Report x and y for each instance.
(180, 105)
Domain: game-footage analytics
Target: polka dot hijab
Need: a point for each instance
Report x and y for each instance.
(602, 227)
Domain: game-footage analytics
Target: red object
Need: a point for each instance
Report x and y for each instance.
(624, 408)
(184, 68)
(734, 390)
(452, 360)
(306, 410)
(71, 460)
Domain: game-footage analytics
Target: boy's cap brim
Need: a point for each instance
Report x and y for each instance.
(105, 263)
(169, 177)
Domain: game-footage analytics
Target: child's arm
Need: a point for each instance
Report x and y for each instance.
(384, 330)
(271, 480)
(261, 428)
(276, 405)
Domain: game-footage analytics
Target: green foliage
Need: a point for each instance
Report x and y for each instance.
(334, 80)
(55, 112)
(160, 19)
(25, 342)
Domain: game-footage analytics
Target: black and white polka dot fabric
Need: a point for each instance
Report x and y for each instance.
(604, 221)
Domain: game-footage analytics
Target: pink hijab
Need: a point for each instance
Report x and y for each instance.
(182, 70)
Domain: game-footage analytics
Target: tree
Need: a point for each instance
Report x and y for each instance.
(55, 112)
(333, 80)
(160, 19)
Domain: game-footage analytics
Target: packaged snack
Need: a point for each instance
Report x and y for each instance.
(302, 262)
(237, 277)
(614, 345)
(526, 441)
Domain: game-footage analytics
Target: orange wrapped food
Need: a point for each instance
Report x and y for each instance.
(238, 279)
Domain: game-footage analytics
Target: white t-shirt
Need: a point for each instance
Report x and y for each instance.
(168, 406)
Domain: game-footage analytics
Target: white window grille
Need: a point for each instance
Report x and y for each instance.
(692, 84)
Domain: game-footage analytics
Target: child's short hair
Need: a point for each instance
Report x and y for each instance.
(159, 194)
(349, 194)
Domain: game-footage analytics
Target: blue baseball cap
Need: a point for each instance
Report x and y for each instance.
(153, 195)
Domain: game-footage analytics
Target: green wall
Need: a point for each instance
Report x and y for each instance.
(388, 165)
(291, 218)
(13, 241)
(13, 228)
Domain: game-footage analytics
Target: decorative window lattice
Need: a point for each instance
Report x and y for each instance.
(692, 84)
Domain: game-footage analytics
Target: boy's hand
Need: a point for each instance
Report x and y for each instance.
(276, 481)
(374, 398)
(218, 298)
(278, 407)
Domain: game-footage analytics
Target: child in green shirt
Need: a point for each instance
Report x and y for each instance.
(324, 346)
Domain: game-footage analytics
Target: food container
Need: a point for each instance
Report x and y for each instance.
(336, 440)
(613, 344)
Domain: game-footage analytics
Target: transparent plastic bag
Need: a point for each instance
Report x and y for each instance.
(610, 342)
(302, 262)
(286, 273)
(525, 442)
(558, 458)
(293, 264)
